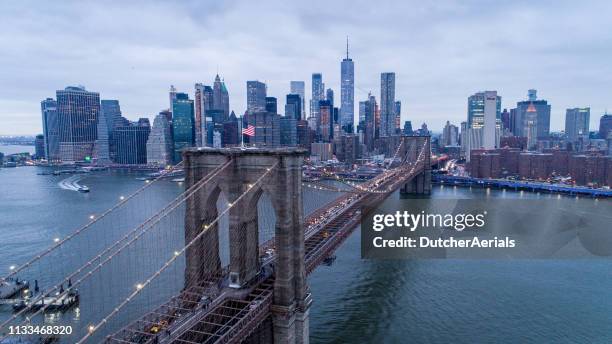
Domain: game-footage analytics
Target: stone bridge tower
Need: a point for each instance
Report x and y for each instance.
(284, 185)
(421, 184)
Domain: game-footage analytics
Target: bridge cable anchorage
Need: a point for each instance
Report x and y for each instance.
(145, 226)
(84, 228)
(168, 263)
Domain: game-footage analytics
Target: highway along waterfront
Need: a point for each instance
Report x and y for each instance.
(387, 301)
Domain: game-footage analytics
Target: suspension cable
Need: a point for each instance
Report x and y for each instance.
(148, 224)
(94, 328)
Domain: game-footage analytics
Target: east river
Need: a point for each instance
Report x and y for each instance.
(356, 300)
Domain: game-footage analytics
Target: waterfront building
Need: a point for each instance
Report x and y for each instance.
(387, 104)
(271, 105)
(102, 146)
(39, 146)
(183, 124)
(111, 111)
(293, 106)
(78, 111)
(577, 123)
(159, 144)
(50, 124)
(299, 87)
(347, 92)
(131, 142)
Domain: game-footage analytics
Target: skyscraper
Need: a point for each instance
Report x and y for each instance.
(159, 144)
(387, 104)
(267, 129)
(51, 129)
(369, 120)
(450, 135)
(39, 146)
(171, 96)
(347, 92)
(111, 111)
(329, 96)
(398, 115)
(542, 120)
(293, 106)
(78, 111)
(271, 105)
(484, 122)
(317, 94)
(530, 129)
(182, 124)
(326, 123)
(298, 87)
(577, 123)
(102, 145)
(476, 109)
(132, 142)
(605, 126)
(288, 131)
(203, 102)
(256, 96)
(220, 97)
(492, 110)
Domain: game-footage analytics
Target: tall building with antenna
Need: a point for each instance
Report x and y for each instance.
(347, 92)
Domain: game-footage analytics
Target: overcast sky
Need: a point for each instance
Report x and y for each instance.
(441, 52)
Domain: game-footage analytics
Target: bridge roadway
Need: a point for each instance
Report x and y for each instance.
(215, 314)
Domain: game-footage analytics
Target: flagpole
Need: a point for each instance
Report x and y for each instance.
(241, 134)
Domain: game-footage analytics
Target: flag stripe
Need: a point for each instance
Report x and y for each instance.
(249, 131)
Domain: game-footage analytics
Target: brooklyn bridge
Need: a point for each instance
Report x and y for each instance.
(259, 294)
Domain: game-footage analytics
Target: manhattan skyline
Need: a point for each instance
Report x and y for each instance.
(440, 53)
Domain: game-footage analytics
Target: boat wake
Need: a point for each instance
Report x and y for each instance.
(71, 183)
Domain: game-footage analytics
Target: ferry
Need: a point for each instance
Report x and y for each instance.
(83, 188)
(52, 303)
(10, 287)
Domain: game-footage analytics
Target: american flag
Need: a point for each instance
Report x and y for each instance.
(249, 131)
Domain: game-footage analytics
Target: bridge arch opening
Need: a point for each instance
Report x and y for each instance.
(221, 204)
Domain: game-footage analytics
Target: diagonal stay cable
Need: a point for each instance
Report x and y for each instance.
(149, 222)
(86, 226)
(94, 328)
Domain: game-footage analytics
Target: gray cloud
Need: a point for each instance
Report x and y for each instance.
(441, 51)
